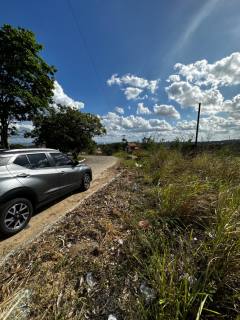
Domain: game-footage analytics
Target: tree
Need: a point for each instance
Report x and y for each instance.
(26, 80)
(66, 129)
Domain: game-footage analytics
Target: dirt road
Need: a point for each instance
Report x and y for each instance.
(103, 171)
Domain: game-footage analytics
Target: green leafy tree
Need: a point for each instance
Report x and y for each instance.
(67, 129)
(26, 80)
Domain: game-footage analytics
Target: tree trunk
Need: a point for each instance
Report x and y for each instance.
(4, 136)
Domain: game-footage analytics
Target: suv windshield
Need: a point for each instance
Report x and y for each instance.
(4, 161)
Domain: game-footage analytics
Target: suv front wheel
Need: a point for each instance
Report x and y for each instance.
(15, 215)
(86, 181)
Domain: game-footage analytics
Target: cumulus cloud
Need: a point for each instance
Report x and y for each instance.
(114, 80)
(119, 110)
(115, 122)
(132, 83)
(187, 125)
(233, 107)
(174, 78)
(224, 72)
(200, 82)
(129, 80)
(189, 95)
(60, 97)
(153, 85)
(167, 111)
(213, 123)
(141, 109)
(132, 93)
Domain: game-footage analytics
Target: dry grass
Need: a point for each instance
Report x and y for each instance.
(56, 269)
(190, 255)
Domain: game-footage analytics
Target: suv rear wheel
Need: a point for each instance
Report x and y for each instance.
(15, 215)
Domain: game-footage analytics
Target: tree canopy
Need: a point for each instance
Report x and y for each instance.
(67, 129)
(26, 80)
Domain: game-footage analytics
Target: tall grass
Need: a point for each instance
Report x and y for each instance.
(190, 254)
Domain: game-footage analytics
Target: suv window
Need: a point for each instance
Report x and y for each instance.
(22, 161)
(61, 159)
(38, 160)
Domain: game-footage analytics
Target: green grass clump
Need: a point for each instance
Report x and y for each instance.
(190, 253)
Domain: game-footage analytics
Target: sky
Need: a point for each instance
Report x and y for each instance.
(142, 66)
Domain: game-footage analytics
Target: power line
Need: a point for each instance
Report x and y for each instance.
(84, 42)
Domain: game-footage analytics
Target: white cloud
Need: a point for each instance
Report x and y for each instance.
(132, 93)
(200, 82)
(114, 80)
(133, 81)
(189, 95)
(115, 122)
(136, 127)
(133, 85)
(224, 72)
(161, 125)
(174, 78)
(60, 97)
(233, 107)
(153, 85)
(166, 110)
(141, 109)
(187, 125)
(213, 123)
(119, 110)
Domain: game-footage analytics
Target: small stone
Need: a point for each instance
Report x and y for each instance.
(90, 280)
(120, 241)
(144, 224)
(112, 317)
(148, 292)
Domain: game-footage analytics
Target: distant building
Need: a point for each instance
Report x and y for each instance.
(131, 146)
(99, 150)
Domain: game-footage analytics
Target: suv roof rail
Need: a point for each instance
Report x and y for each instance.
(9, 151)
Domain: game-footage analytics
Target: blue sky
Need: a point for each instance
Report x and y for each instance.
(91, 41)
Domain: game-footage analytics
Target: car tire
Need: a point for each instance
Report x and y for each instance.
(86, 181)
(15, 215)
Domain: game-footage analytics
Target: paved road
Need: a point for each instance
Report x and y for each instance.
(102, 173)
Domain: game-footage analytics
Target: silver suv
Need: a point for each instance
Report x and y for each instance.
(30, 178)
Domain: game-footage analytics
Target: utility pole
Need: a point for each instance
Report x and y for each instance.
(198, 118)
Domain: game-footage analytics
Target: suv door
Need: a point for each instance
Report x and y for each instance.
(36, 172)
(70, 173)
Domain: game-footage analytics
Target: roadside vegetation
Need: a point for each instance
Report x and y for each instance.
(189, 253)
(159, 242)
